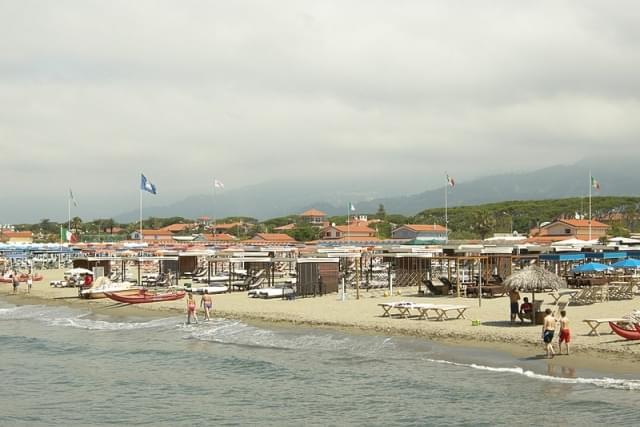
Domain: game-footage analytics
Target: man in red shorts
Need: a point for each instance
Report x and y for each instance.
(565, 332)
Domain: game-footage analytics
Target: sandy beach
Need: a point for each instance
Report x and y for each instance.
(365, 316)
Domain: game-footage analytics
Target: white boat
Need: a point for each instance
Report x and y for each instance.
(98, 290)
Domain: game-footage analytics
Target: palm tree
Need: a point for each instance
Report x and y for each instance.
(484, 223)
(76, 222)
(109, 223)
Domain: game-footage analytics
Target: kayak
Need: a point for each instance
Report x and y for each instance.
(625, 333)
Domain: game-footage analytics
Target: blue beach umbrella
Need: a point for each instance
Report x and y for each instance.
(591, 267)
(627, 263)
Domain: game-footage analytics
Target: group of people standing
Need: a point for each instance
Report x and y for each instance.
(16, 283)
(550, 323)
(206, 303)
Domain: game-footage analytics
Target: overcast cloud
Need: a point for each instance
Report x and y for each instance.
(93, 92)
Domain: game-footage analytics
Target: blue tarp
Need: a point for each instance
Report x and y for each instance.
(607, 255)
(591, 267)
(562, 257)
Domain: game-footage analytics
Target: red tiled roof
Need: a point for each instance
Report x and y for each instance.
(581, 223)
(220, 236)
(177, 227)
(313, 212)
(11, 234)
(274, 237)
(424, 227)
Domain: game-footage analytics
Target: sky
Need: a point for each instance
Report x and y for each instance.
(92, 93)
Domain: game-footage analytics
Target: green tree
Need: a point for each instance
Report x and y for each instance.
(304, 233)
(381, 213)
(76, 222)
(484, 223)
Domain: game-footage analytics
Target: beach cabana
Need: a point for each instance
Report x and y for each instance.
(534, 279)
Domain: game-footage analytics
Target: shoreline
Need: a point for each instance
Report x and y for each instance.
(606, 353)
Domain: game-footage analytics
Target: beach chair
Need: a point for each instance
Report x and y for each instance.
(403, 308)
(584, 296)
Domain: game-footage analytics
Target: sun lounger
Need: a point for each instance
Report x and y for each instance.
(595, 323)
(441, 311)
(403, 308)
(557, 295)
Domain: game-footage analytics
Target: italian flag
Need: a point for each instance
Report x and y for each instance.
(594, 183)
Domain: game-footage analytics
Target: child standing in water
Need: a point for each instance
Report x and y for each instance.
(565, 332)
(191, 309)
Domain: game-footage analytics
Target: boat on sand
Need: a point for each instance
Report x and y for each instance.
(626, 333)
(143, 296)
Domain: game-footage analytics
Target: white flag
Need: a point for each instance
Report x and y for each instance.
(351, 207)
(73, 199)
(218, 184)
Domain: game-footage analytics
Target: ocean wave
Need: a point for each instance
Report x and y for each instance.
(232, 332)
(68, 317)
(606, 382)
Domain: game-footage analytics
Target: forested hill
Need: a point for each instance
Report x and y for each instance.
(521, 216)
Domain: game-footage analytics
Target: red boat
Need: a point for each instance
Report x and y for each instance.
(625, 333)
(143, 297)
(21, 278)
(638, 327)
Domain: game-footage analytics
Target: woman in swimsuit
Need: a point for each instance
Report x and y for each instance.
(206, 303)
(191, 309)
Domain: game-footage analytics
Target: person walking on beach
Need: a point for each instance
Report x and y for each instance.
(514, 297)
(206, 303)
(548, 329)
(29, 283)
(565, 332)
(15, 282)
(191, 309)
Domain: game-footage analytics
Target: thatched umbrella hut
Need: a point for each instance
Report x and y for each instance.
(534, 278)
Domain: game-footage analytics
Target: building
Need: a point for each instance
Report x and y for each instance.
(563, 229)
(153, 235)
(271, 238)
(16, 236)
(178, 228)
(314, 217)
(346, 232)
(420, 231)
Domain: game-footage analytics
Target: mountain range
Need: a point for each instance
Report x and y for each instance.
(271, 199)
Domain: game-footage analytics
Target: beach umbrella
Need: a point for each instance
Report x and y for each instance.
(591, 267)
(534, 278)
(627, 263)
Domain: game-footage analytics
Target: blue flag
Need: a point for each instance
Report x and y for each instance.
(146, 185)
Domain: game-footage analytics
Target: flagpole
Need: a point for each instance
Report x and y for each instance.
(140, 214)
(590, 185)
(69, 212)
(446, 213)
(213, 210)
(348, 226)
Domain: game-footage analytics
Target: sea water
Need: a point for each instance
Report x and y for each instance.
(65, 366)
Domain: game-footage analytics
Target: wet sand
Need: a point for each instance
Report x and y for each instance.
(606, 352)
